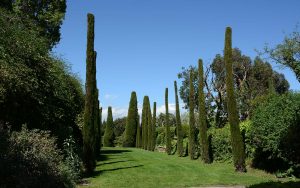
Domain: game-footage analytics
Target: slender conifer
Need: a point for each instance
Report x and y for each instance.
(238, 150)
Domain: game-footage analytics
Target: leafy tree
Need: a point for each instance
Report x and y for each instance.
(167, 125)
(36, 88)
(132, 122)
(192, 134)
(250, 80)
(238, 150)
(119, 126)
(47, 15)
(275, 133)
(154, 127)
(202, 116)
(180, 149)
(90, 112)
(109, 135)
(162, 118)
(287, 53)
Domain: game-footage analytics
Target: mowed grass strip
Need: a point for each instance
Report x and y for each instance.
(131, 167)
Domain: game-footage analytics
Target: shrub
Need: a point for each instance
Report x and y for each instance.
(33, 160)
(221, 143)
(276, 133)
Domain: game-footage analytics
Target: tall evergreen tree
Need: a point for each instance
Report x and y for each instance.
(154, 127)
(145, 122)
(138, 134)
(236, 137)
(100, 127)
(180, 150)
(192, 134)
(131, 122)
(109, 135)
(150, 129)
(167, 125)
(89, 140)
(202, 115)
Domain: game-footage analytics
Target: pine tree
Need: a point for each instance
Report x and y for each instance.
(180, 149)
(109, 135)
(192, 144)
(167, 125)
(89, 140)
(131, 122)
(202, 116)
(145, 122)
(236, 137)
(154, 127)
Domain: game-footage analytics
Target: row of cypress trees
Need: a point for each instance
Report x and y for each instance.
(92, 113)
(238, 150)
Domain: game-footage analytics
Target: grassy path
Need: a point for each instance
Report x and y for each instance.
(130, 167)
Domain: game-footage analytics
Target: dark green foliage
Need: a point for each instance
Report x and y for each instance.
(132, 122)
(145, 122)
(139, 134)
(167, 125)
(90, 112)
(31, 159)
(98, 129)
(275, 133)
(36, 88)
(236, 137)
(180, 149)
(47, 15)
(150, 128)
(192, 134)
(153, 139)
(202, 115)
(7, 4)
(109, 135)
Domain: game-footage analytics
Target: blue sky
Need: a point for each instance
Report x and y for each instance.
(142, 44)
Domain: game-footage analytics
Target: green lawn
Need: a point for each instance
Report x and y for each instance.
(130, 167)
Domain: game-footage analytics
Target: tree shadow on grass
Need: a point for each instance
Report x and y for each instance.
(112, 162)
(105, 154)
(98, 172)
(289, 184)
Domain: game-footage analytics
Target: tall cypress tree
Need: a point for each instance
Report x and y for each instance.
(131, 122)
(89, 141)
(180, 150)
(202, 115)
(236, 137)
(167, 125)
(154, 127)
(109, 135)
(138, 134)
(192, 136)
(100, 127)
(150, 129)
(145, 122)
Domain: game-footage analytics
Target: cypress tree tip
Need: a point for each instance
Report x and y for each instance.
(90, 16)
(228, 29)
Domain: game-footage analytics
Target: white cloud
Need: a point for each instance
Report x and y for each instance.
(110, 96)
(117, 112)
